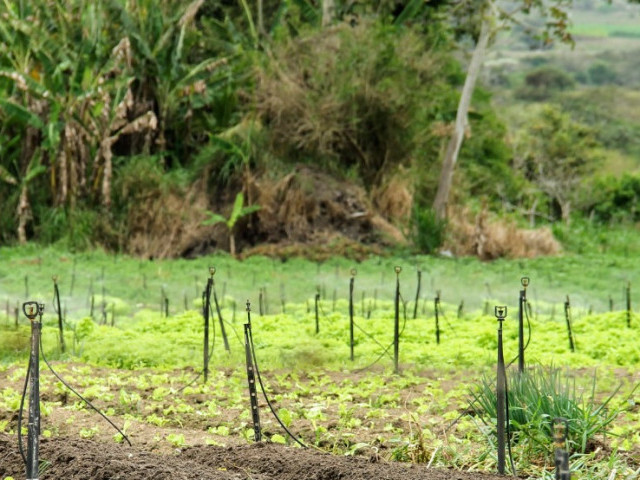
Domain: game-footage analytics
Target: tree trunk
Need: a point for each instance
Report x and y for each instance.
(261, 30)
(328, 8)
(232, 244)
(107, 173)
(23, 212)
(565, 211)
(455, 142)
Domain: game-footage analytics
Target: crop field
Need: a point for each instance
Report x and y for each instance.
(133, 335)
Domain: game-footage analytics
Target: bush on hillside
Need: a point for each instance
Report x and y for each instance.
(542, 83)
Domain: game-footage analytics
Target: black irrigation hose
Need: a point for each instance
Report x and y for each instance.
(385, 351)
(526, 313)
(362, 330)
(444, 317)
(24, 394)
(210, 353)
(191, 382)
(264, 392)
(80, 396)
(230, 326)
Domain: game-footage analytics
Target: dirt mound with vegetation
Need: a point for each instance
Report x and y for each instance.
(312, 208)
(313, 214)
(75, 459)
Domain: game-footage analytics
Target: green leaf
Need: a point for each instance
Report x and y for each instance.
(214, 219)
(276, 438)
(236, 213)
(5, 176)
(285, 416)
(23, 115)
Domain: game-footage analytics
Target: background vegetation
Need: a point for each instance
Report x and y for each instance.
(120, 118)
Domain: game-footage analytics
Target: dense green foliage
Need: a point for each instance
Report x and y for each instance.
(108, 109)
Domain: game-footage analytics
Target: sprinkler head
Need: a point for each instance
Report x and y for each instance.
(54, 278)
(560, 431)
(524, 281)
(353, 272)
(40, 309)
(31, 309)
(212, 271)
(397, 270)
(248, 306)
(500, 312)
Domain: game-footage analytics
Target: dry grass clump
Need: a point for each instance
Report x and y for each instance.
(394, 199)
(310, 206)
(491, 239)
(167, 225)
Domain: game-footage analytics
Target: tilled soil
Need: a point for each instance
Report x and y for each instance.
(77, 459)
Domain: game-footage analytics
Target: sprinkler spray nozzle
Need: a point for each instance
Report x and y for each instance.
(524, 281)
(500, 312)
(31, 309)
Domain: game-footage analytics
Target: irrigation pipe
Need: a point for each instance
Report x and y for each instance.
(80, 396)
(264, 393)
(24, 394)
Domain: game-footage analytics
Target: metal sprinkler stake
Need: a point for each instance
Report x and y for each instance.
(567, 316)
(628, 295)
(501, 388)
(60, 321)
(351, 282)
(317, 299)
(33, 310)
(206, 308)
(253, 395)
(522, 304)
(560, 433)
(415, 306)
(396, 323)
(436, 308)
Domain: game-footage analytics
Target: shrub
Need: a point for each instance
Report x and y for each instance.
(542, 83)
(538, 396)
(428, 231)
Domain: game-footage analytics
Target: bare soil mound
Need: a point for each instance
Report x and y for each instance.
(76, 459)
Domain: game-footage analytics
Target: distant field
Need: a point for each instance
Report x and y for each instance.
(605, 30)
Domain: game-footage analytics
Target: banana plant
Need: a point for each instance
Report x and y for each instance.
(238, 211)
(21, 183)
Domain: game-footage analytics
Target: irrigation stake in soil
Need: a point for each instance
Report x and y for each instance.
(628, 294)
(396, 323)
(56, 294)
(33, 310)
(415, 306)
(251, 378)
(206, 308)
(317, 316)
(436, 307)
(351, 281)
(560, 432)
(501, 387)
(567, 316)
(522, 304)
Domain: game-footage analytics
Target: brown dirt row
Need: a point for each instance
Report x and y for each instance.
(76, 459)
